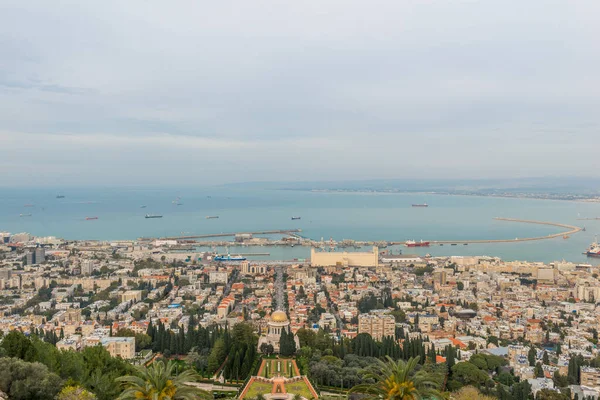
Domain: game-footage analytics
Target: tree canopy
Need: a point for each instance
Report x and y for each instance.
(23, 380)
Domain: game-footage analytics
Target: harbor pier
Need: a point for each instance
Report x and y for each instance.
(192, 240)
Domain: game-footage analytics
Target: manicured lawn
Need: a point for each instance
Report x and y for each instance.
(258, 388)
(299, 388)
(272, 370)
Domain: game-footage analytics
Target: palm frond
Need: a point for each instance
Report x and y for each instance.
(158, 382)
(398, 380)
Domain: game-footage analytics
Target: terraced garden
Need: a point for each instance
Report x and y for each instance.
(257, 388)
(300, 388)
(278, 367)
(278, 371)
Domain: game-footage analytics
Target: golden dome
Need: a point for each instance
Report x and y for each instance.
(278, 316)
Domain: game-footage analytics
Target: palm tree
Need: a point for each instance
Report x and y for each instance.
(397, 380)
(157, 382)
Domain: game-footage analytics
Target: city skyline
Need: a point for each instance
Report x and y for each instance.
(311, 200)
(146, 93)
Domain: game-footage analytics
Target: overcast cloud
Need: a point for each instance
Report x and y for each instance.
(202, 92)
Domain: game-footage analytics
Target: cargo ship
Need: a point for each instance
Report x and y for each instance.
(90, 218)
(421, 205)
(228, 257)
(60, 196)
(594, 250)
(24, 215)
(212, 216)
(295, 218)
(412, 243)
(153, 216)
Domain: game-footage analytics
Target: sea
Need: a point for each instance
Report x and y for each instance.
(324, 215)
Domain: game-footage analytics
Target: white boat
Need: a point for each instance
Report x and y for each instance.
(593, 250)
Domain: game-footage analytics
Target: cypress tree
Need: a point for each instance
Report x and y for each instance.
(150, 330)
(235, 368)
(247, 362)
(531, 356)
(432, 354)
(181, 342)
(545, 358)
(571, 374)
(292, 344)
(172, 343)
(227, 369)
(450, 356)
(283, 343)
(164, 338)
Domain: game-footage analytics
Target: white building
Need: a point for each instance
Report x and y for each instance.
(218, 277)
(123, 347)
(87, 267)
(538, 384)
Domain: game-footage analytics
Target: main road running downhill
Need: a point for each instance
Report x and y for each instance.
(279, 288)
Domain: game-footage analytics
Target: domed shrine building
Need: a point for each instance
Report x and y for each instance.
(278, 322)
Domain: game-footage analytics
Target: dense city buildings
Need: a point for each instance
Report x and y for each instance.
(139, 300)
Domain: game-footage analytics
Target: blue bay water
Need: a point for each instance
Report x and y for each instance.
(359, 216)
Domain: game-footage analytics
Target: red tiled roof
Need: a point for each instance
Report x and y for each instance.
(458, 343)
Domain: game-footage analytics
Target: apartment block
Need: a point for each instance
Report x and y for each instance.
(590, 377)
(377, 324)
(123, 347)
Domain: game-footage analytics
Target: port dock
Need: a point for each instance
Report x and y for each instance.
(571, 230)
(212, 235)
(188, 242)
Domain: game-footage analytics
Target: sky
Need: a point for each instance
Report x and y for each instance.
(206, 92)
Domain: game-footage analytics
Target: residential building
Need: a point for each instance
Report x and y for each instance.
(131, 295)
(5, 273)
(328, 320)
(590, 376)
(71, 343)
(30, 258)
(40, 255)
(377, 324)
(87, 267)
(218, 277)
(249, 269)
(123, 347)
